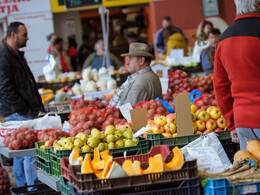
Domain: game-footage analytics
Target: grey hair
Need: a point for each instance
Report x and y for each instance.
(247, 6)
(98, 43)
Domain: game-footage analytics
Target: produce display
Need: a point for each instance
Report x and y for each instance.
(4, 182)
(22, 138)
(204, 84)
(107, 168)
(204, 121)
(76, 104)
(72, 76)
(109, 139)
(153, 107)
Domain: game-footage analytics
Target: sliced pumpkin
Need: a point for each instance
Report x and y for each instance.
(253, 147)
(107, 168)
(105, 154)
(101, 164)
(96, 157)
(127, 166)
(78, 161)
(155, 165)
(87, 167)
(116, 171)
(176, 162)
(74, 154)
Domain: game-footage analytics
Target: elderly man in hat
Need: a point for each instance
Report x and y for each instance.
(143, 84)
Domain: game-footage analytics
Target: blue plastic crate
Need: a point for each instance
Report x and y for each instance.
(224, 187)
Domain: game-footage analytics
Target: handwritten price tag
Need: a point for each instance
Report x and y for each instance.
(207, 159)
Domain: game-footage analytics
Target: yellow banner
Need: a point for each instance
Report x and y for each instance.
(112, 3)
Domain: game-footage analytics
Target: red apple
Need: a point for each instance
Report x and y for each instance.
(198, 111)
(156, 128)
(171, 118)
(170, 128)
(215, 113)
(222, 123)
(200, 124)
(218, 129)
(211, 124)
(203, 115)
(195, 127)
(208, 131)
(193, 107)
(161, 120)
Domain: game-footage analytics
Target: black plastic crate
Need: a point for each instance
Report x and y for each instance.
(41, 189)
(230, 148)
(185, 187)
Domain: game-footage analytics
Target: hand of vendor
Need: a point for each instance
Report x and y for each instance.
(234, 136)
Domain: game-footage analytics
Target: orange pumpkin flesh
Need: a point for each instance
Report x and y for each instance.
(127, 166)
(155, 165)
(176, 162)
(87, 167)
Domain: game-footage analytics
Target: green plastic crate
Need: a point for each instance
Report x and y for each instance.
(142, 147)
(64, 186)
(40, 153)
(159, 139)
(44, 166)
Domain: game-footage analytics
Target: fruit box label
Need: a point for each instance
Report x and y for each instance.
(139, 118)
(207, 159)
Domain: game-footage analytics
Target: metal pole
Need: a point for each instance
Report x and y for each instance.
(102, 11)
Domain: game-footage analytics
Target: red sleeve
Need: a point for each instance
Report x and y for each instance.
(223, 91)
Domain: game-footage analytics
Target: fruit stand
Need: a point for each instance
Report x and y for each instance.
(100, 154)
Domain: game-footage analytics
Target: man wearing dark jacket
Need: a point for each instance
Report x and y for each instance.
(19, 97)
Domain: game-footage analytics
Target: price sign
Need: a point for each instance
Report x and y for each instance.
(81, 3)
(125, 110)
(207, 159)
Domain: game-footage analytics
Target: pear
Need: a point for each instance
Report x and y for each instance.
(118, 135)
(129, 143)
(123, 129)
(96, 133)
(110, 138)
(93, 142)
(120, 144)
(106, 145)
(128, 134)
(110, 130)
(86, 148)
(111, 145)
(135, 140)
(61, 141)
(79, 135)
(84, 137)
(68, 146)
(68, 140)
(79, 143)
(101, 146)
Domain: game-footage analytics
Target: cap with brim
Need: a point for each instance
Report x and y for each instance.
(138, 49)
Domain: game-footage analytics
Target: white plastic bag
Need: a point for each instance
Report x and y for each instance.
(10, 126)
(48, 122)
(208, 141)
(51, 71)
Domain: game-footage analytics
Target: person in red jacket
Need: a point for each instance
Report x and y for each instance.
(237, 73)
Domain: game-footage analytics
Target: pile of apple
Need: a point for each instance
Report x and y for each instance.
(109, 139)
(207, 121)
(154, 107)
(204, 84)
(178, 82)
(162, 124)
